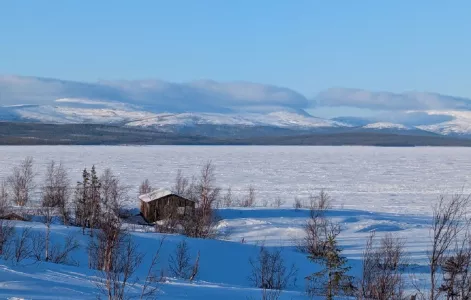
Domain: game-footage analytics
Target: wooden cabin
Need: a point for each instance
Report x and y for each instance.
(162, 204)
(13, 217)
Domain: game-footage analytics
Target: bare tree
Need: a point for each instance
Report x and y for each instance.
(196, 267)
(116, 275)
(228, 200)
(150, 286)
(47, 218)
(170, 220)
(7, 229)
(278, 202)
(269, 271)
(207, 191)
(381, 274)
(298, 204)
(250, 199)
(265, 202)
(111, 250)
(106, 245)
(448, 222)
(55, 191)
(22, 247)
(180, 262)
(456, 270)
(203, 191)
(182, 184)
(38, 244)
(321, 201)
(7, 232)
(113, 195)
(145, 187)
(4, 200)
(318, 229)
(60, 253)
(21, 182)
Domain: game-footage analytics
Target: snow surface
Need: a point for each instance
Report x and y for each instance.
(381, 189)
(385, 125)
(277, 119)
(224, 264)
(396, 180)
(74, 110)
(156, 194)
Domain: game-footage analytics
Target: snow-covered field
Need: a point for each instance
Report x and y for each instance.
(394, 180)
(381, 189)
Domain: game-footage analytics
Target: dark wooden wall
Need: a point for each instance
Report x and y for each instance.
(164, 207)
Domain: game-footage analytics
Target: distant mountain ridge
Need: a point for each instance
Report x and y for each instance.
(213, 108)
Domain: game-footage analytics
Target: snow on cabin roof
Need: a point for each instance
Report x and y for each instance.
(157, 194)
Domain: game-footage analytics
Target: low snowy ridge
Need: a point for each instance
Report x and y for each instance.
(276, 119)
(71, 110)
(460, 124)
(386, 125)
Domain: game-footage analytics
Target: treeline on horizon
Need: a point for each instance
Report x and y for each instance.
(17, 133)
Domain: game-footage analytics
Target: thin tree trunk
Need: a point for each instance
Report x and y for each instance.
(48, 231)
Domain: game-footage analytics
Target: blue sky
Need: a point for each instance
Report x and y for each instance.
(308, 46)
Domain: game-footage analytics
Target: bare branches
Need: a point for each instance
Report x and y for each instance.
(180, 262)
(116, 276)
(55, 192)
(318, 228)
(297, 203)
(180, 265)
(113, 196)
(278, 202)
(4, 201)
(7, 232)
(21, 182)
(269, 271)
(145, 187)
(381, 274)
(203, 190)
(449, 220)
(320, 202)
(60, 254)
(56, 183)
(456, 270)
(182, 185)
(196, 268)
(22, 247)
(228, 200)
(206, 190)
(150, 288)
(249, 200)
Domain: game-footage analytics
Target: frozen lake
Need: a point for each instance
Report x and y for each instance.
(402, 180)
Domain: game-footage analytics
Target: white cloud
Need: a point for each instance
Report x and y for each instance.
(203, 96)
(390, 101)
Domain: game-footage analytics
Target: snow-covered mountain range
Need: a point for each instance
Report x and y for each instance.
(168, 106)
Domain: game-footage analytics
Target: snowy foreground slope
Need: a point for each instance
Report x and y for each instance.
(224, 266)
(382, 189)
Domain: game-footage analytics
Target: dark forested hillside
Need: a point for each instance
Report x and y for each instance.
(89, 134)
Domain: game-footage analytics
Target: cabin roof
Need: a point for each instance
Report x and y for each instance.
(159, 193)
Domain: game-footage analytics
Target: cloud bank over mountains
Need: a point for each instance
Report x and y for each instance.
(213, 96)
(196, 96)
(157, 103)
(390, 101)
